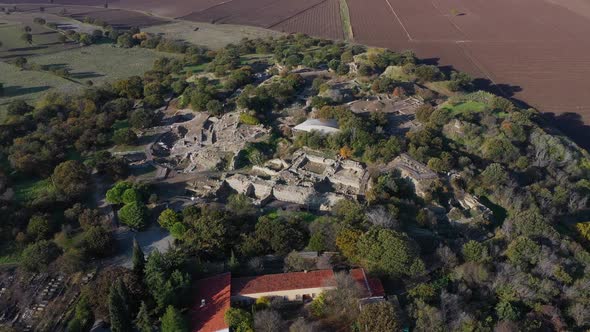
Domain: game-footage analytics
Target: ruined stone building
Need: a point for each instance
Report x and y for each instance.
(309, 180)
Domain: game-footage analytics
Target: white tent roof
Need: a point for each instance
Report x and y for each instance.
(323, 126)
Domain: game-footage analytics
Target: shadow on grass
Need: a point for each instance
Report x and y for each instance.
(24, 49)
(45, 33)
(12, 56)
(85, 74)
(17, 90)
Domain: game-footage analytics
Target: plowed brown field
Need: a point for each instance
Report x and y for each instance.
(534, 50)
(322, 20)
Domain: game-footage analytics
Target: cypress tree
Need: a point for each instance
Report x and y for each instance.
(118, 309)
(138, 259)
(172, 321)
(143, 322)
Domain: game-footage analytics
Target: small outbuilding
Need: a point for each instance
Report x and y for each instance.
(328, 126)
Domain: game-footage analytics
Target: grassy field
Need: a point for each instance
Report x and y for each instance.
(97, 63)
(345, 17)
(45, 40)
(465, 107)
(213, 36)
(397, 73)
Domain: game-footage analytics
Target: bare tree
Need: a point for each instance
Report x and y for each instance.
(447, 257)
(300, 325)
(579, 313)
(268, 321)
(379, 216)
(256, 264)
(343, 299)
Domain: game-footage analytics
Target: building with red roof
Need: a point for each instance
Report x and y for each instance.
(216, 293)
(214, 299)
(299, 285)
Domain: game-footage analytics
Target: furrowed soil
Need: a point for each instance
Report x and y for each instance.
(322, 20)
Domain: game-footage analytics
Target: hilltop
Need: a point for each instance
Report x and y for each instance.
(470, 210)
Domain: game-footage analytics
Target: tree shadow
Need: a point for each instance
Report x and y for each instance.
(45, 33)
(17, 90)
(30, 48)
(55, 66)
(86, 74)
(12, 56)
(571, 124)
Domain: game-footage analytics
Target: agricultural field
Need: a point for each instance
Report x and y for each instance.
(322, 19)
(534, 55)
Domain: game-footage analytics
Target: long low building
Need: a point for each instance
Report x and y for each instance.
(216, 294)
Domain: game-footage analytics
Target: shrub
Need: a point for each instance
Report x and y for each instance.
(249, 119)
(37, 256)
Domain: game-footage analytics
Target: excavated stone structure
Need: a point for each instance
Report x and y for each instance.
(310, 180)
(207, 142)
(419, 174)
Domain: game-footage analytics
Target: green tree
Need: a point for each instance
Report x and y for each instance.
(115, 194)
(280, 235)
(241, 205)
(207, 230)
(317, 242)
(214, 107)
(20, 62)
(378, 317)
(239, 320)
(27, 37)
(347, 241)
(71, 178)
(131, 195)
(143, 323)
(97, 241)
(474, 251)
(172, 321)
(494, 175)
(118, 308)
(133, 215)
(164, 281)
(83, 317)
(37, 256)
(142, 118)
(19, 107)
(507, 311)
(124, 136)
(138, 259)
(168, 218)
(390, 252)
(349, 212)
(523, 252)
(39, 227)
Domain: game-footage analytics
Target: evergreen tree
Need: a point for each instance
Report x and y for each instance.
(143, 322)
(138, 259)
(118, 309)
(172, 321)
(233, 263)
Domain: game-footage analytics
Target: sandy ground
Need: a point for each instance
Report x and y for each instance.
(153, 238)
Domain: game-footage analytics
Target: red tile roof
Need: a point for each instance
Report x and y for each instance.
(216, 291)
(280, 282)
(370, 286)
(301, 280)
